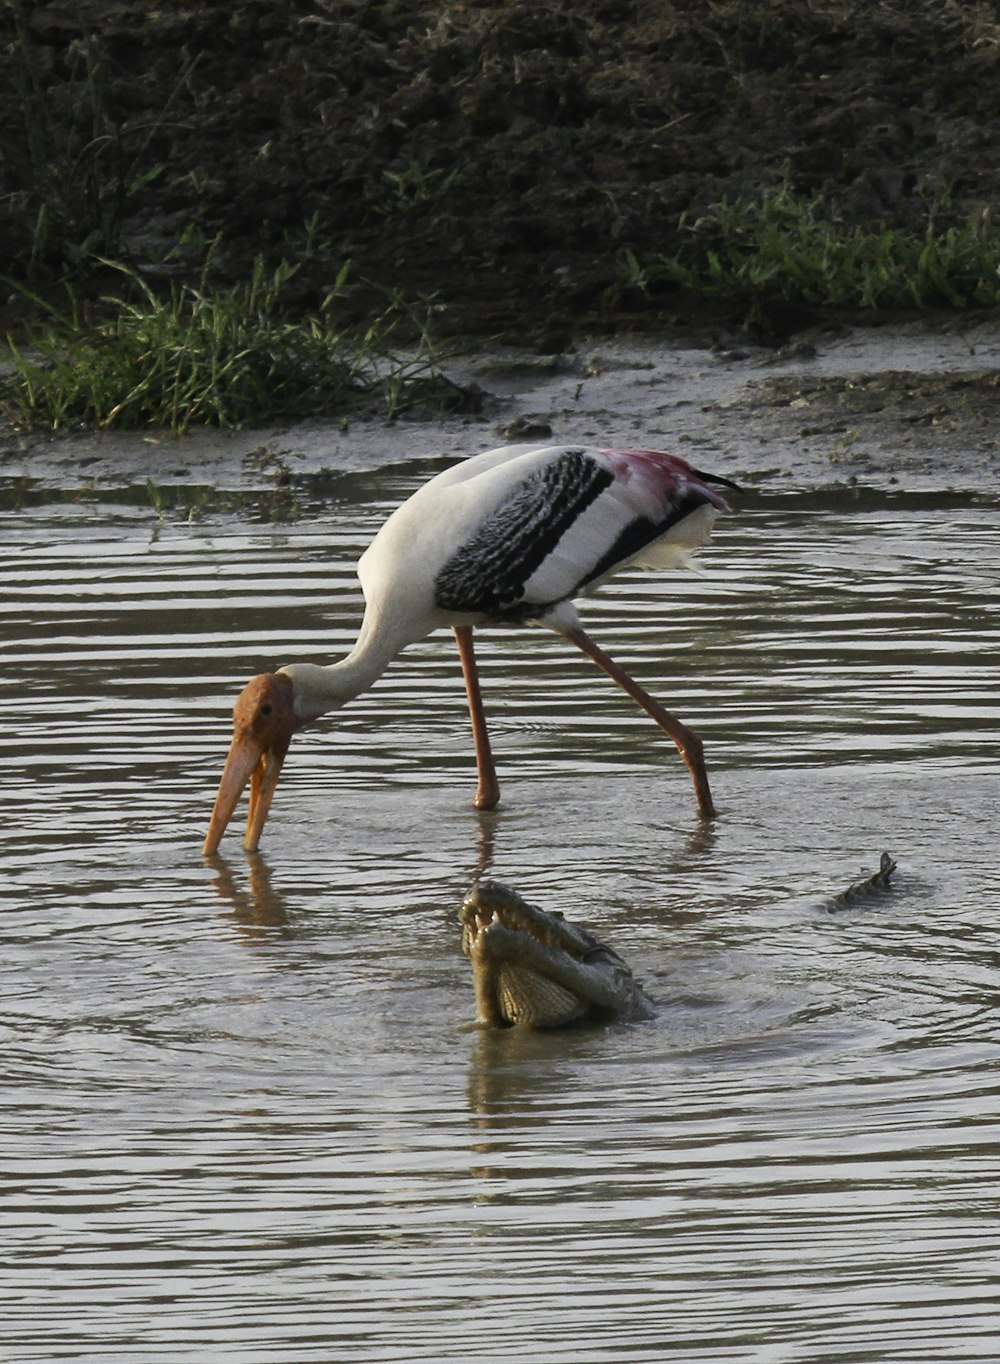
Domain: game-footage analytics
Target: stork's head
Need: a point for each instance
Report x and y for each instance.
(264, 721)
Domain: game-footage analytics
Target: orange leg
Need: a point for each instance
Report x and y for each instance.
(488, 793)
(689, 745)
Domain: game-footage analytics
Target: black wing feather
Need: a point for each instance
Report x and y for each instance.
(489, 571)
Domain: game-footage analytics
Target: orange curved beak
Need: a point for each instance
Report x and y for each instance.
(264, 722)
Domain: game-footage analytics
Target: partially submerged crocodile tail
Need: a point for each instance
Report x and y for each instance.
(878, 881)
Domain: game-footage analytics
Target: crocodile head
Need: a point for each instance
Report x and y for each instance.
(536, 968)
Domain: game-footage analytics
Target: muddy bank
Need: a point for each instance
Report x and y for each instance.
(903, 408)
(499, 157)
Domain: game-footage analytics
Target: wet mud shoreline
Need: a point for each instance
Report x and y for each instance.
(908, 407)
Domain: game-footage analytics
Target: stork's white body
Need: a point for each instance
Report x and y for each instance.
(514, 534)
(401, 565)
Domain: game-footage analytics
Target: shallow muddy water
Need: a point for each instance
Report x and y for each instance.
(247, 1114)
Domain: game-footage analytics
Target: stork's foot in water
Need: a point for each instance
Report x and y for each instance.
(689, 745)
(538, 969)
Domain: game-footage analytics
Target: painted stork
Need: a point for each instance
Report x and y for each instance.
(514, 534)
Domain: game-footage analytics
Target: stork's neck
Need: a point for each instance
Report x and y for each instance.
(319, 689)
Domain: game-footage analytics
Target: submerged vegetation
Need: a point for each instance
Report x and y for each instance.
(215, 356)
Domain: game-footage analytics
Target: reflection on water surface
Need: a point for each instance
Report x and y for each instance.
(247, 1115)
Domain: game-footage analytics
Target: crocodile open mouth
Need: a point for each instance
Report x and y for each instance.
(535, 967)
(480, 916)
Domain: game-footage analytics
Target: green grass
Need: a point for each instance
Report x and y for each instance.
(797, 249)
(209, 356)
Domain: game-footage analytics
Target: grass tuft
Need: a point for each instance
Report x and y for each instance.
(785, 246)
(209, 356)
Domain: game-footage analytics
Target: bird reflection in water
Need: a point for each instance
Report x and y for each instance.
(257, 904)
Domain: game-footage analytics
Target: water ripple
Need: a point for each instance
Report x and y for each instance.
(247, 1116)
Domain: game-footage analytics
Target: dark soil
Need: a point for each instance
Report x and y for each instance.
(500, 157)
